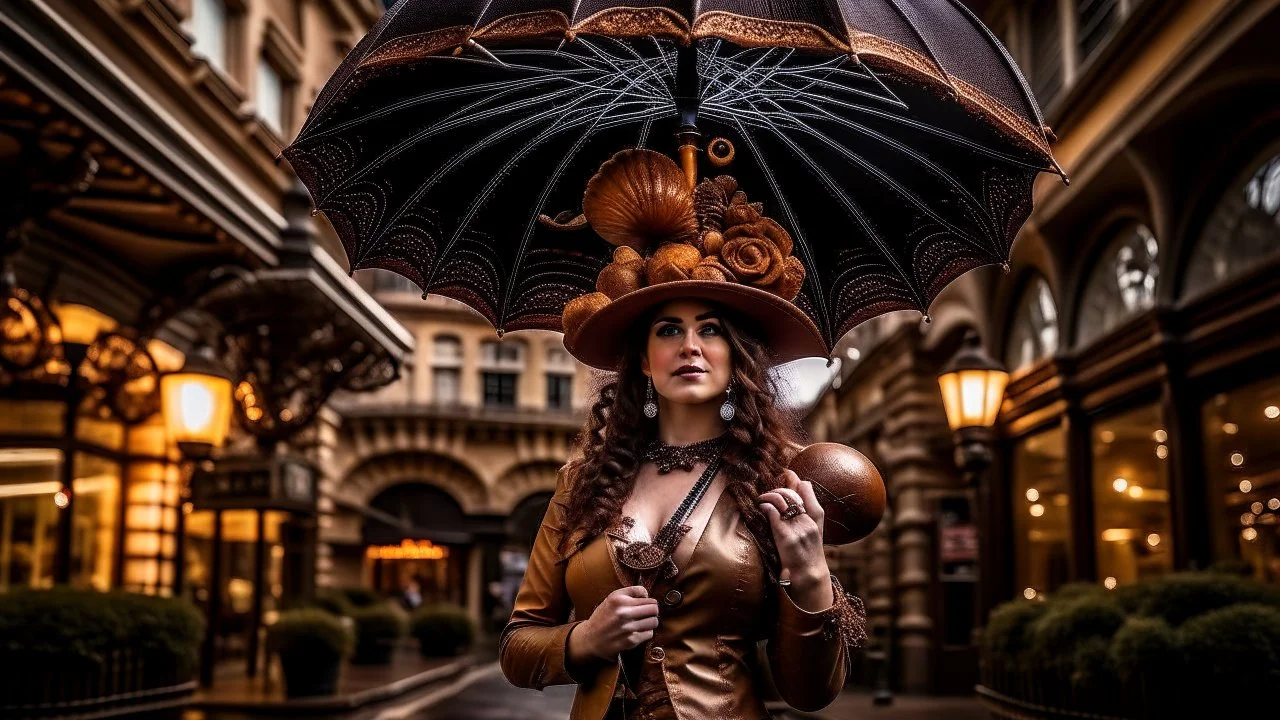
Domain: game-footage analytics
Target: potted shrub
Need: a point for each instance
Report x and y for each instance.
(84, 649)
(360, 597)
(333, 602)
(443, 630)
(378, 629)
(311, 644)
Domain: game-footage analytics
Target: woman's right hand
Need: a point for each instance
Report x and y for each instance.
(622, 621)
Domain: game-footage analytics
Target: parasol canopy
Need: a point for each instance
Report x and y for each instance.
(895, 139)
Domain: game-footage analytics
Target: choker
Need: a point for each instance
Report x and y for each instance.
(669, 457)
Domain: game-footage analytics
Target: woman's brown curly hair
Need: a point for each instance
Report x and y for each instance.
(609, 447)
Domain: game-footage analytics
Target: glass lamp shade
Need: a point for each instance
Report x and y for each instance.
(196, 408)
(972, 387)
(81, 324)
(972, 397)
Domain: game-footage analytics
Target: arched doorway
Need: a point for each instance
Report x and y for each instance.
(521, 530)
(417, 532)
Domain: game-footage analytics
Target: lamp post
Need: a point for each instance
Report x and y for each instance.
(78, 327)
(196, 403)
(972, 387)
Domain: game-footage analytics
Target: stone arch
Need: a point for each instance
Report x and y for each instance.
(522, 480)
(380, 472)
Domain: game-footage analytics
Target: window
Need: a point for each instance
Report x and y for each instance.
(501, 364)
(1243, 231)
(1041, 513)
(208, 25)
(96, 489)
(500, 389)
(28, 517)
(1131, 496)
(559, 391)
(270, 99)
(446, 370)
(1047, 61)
(1123, 283)
(1034, 334)
(1242, 457)
(500, 354)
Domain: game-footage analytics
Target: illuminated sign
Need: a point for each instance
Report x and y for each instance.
(407, 550)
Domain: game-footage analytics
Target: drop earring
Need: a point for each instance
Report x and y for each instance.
(650, 407)
(727, 410)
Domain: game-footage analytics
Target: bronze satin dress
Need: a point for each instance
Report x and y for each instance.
(700, 663)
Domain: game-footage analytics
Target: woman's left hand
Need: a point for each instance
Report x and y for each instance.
(799, 539)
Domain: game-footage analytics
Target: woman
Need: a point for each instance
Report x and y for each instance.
(677, 538)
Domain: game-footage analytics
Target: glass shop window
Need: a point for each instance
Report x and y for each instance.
(1131, 496)
(28, 516)
(1242, 457)
(1041, 513)
(95, 512)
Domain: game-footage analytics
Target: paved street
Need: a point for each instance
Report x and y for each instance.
(484, 694)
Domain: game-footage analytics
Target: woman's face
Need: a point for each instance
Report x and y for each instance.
(688, 354)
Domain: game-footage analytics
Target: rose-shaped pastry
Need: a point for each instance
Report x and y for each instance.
(755, 260)
(712, 268)
(788, 285)
(671, 262)
(625, 274)
(577, 310)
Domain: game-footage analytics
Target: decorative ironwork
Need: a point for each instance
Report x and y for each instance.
(122, 377)
(289, 352)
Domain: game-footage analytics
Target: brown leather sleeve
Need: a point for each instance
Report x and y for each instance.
(534, 644)
(808, 657)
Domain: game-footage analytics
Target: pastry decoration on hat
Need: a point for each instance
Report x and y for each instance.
(665, 232)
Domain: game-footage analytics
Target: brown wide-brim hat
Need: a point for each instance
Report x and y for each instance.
(600, 340)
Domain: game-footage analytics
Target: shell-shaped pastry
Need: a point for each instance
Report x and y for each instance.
(672, 261)
(640, 198)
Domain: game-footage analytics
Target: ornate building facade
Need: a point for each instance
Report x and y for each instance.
(460, 454)
(1138, 431)
(144, 216)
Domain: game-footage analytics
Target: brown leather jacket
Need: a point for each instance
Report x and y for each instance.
(711, 615)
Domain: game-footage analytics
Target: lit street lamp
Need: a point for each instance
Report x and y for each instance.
(196, 403)
(972, 387)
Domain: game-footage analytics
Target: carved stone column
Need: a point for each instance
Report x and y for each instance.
(914, 428)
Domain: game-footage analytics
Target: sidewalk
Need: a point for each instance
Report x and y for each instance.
(857, 705)
(358, 687)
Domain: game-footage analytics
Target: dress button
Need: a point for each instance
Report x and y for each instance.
(673, 598)
(656, 653)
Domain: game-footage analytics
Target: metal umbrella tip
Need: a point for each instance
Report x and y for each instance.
(1004, 267)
